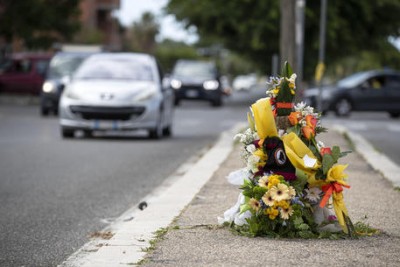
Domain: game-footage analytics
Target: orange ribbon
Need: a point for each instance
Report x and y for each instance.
(329, 189)
(286, 105)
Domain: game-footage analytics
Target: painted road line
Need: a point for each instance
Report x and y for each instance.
(377, 160)
(131, 237)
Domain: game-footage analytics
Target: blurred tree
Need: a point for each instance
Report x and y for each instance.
(142, 36)
(38, 22)
(252, 28)
(169, 51)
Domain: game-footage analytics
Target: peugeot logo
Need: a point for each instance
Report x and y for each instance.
(106, 96)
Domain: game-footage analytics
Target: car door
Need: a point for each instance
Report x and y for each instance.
(392, 102)
(17, 78)
(371, 93)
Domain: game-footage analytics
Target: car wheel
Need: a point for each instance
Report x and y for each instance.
(167, 131)
(88, 133)
(44, 111)
(67, 133)
(217, 102)
(394, 115)
(157, 132)
(343, 107)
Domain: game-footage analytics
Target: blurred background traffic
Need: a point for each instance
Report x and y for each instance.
(102, 100)
(246, 41)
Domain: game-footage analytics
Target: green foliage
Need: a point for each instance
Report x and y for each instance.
(143, 34)
(355, 29)
(168, 52)
(39, 22)
(285, 95)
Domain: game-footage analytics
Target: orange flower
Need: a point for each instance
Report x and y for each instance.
(308, 132)
(325, 150)
(311, 121)
(294, 117)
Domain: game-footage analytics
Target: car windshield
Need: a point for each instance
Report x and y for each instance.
(115, 68)
(204, 70)
(353, 80)
(61, 66)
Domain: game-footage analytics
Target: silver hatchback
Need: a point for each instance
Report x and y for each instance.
(117, 91)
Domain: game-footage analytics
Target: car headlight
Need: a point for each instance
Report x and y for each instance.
(71, 94)
(146, 94)
(211, 85)
(176, 84)
(49, 87)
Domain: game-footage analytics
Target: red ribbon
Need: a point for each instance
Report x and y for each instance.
(329, 189)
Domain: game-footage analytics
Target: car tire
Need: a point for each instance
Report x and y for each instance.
(44, 112)
(217, 102)
(88, 133)
(67, 133)
(167, 131)
(157, 132)
(343, 107)
(394, 115)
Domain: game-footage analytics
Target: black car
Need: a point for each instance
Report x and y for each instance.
(377, 90)
(193, 79)
(59, 72)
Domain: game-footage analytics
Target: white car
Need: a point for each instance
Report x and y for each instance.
(244, 82)
(117, 91)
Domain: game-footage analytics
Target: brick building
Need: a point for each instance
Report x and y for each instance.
(96, 17)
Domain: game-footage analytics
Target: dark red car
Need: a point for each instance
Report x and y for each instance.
(24, 73)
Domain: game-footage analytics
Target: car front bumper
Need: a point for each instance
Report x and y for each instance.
(81, 116)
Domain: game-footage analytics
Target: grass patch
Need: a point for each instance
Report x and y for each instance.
(363, 229)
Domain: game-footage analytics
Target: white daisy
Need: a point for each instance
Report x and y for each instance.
(313, 194)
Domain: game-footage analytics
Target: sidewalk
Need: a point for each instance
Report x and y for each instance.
(195, 239)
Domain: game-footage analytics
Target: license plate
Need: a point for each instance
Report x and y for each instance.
(105, 125)
(192, 93)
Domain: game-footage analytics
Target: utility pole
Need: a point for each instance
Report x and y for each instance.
(287, 32)
(300, 10)
(319, 72)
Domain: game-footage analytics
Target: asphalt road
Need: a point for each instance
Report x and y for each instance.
(54, 193)
(378, 128)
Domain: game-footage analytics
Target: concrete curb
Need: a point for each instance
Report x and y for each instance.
(132, 238)
(377, 160)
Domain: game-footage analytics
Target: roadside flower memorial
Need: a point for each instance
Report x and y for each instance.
(292, 185)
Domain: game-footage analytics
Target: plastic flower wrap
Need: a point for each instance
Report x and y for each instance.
(292, 185)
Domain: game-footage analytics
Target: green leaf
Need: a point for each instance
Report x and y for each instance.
(327, 163)
(298, 221)
(250, 119)
(335, 153)
(287, 70)
(258, 192)
(303, 227)
(300, 181)
(245, 207)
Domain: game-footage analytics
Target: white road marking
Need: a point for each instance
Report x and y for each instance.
(130, 238)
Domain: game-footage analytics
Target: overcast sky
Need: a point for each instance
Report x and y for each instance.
(132, 10)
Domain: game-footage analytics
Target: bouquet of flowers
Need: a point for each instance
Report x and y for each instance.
(292, 185)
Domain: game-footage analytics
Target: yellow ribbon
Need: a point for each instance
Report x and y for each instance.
(299, 155)
(264, 119)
